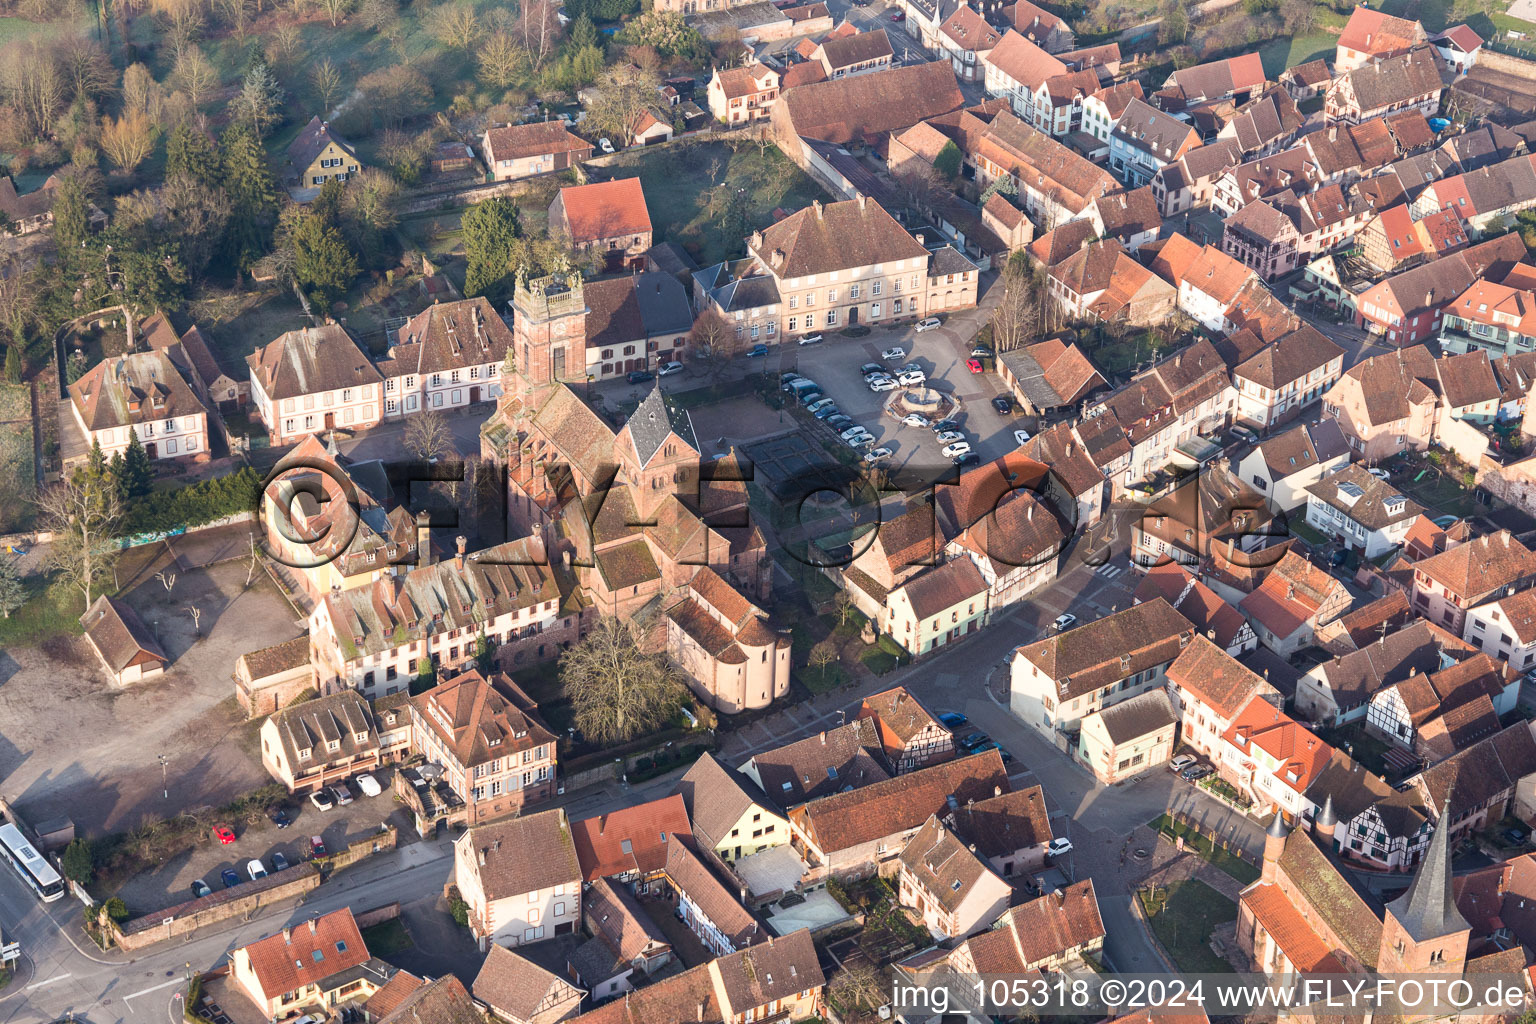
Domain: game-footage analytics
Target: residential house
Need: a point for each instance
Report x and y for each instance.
(1125, 739)
(1459, 47)
(143, 394)
(271, 677)
(128, 650)
(994, 519)
(1049, 934)
(626, 947)
(1207, 512)
(1009, 830)
(856, 53)
(317, 155)
(1103, 282)
(1205, 609)
(639, 322)
(1294, 599)
(320, 742)
(1286, 376)
(1506, 629)
(519, 878)
(1437, 714)
(1304, 81)
(910, 736)
(447, 356)
(834, 760)
(1075, 485)
(908, 541)
(1394, 237)
(1007, 222)
(518, 991)
(1361, 511)
(1040, 26)
(607, 219)
(312, 380)
(1483, 569)
(967, 41)
(1131, 217)
(523, 150)
(937, 607)
(744, 94)
(1209, 284)
(1058, 681)
(496, 754)
(1371, 35)
(1264, 126)
(1209, 689)
(630, 844)
(1338, 691)
(730, 813)
(750, 300)
(1487, 198)
(863, 109)
(1055, 184)
(1496, 316)
(1468, 388)
(1380, 827)
(1408, 81)
(1271, 759)
(1016, 69)
(724, 646)
(1475, 787)
(950, 886)
(854, 834)
(1283, 466)
(1353, 630)
(317, 964)
(709, 909)
(1145, 140)
(1238, 79)
(1189, 183)
(1103, 109)
(1386, 404)
(190, 354)
(29, 213)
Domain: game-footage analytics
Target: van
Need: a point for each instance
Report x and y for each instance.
(801, 388)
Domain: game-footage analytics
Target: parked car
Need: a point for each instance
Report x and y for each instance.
(316, 846)
(915, 419)
(255, 869)
(862, 441)
(1066, 620)
(1379, 473)
(871, 369)
(981, 352)
(757, 350)
(229, 878)
(890, 355)
(974, 365)
(200, 889)
(882, 384)
(949, 451)
(948, 436)
(932, 323)
(1021, 437)
(968, 459)
(605, 145)
(1243, 433)
(279, 862)
(989, 745)
(1196, 772)
(224, 834)
(639, 376)
(946, 424)
(826, 412)
(848, 432)
(1003, 404)
(910, 368)
(342, 794)
(878, 455)
(667, 369)
(1059, 847)
(898, 16)
(820, 403)
(952, 719)
(1516, 836)
(912, 378)
(971, 740)
(322, 800)
(810, 398)
(839, 421)
(279, 817)
(368, 785)
(811, 339)
(1181, 762)
(787, 377)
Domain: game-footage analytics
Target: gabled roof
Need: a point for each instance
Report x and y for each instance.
(849, 50)
(307, 953)
(524, 855)
(1303, 447)
(449, 336)
(1406, 76)
(1109, 649)
(309, 361)
(1298, 756)
(1198, 603)
(517, 987)
(834, 236)
(1330, 893)
(605, 209)
(1047, 926)
(968, 30)
(1289, 359)
(1144, 127)
(310, 727)
(863, 107)
(1376, 32)
(1026, 63)
(834, 760)
(133, 389)
(478, 720)
(716, 798)
(1480, 566)
(938, 860)
(118, 633)
(1217, 679)
(1368, 500)
(311, 142)
(633, 838)
(943, 587)
(514, 141)
(1420, 646)
(1003, 824)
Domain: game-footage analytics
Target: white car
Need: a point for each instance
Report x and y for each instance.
(810, 339)
(818, 405)
(851, 431)
(605, 145)
(948, 436)
(667, 369)
(860, 440)
(883, 384)
(955, 450)
(1064, 621)
(892, 354)
(369, 785)
(878, 455)
(1059, 847)
(931, 324)
(256, 870)
(342, 794)
(1020, 437)
(1181, 762)
(915, 419)
(1379, 474)
(912, 377)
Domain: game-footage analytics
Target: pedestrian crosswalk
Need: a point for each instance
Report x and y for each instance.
(1109, 571)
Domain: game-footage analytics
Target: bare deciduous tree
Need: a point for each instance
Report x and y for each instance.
(129, 140)
(427, 435)
(623, 102)
(713, 338)
(167, 580)
(325, 77)
(1016, 320)
(197, 619)
(538, 23)
(195, 76)
(456, 25)
(336, 10)
(618, 689)
(858, 986)
(86, 66)
(502, 59)
(821, 656)
(82, 513)
(31, 81)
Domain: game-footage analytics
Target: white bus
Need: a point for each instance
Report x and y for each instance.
(29, 864)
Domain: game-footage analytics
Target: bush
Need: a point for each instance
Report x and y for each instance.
(116, 909)
(79, 866)
(457, 907)
(201, 503)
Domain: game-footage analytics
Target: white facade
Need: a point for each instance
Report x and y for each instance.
(169, 438)
(1266, 407)
(1489, 629)
(1289, 492)
(1372, 541)
(291, 419)
(518, 918)
(450, 389)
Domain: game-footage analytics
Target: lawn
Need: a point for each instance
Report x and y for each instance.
(50, 610)
(17, 479)
(1438, 492)
(1287, 52)
(388, 937)
(1223, 859)
(677, 177)
(1183, 917)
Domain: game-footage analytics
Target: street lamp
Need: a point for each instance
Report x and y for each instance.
(165, 785)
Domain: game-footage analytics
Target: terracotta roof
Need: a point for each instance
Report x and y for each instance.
(689, 875)
(1024, 62)
(134, 389)
(1118, 96)
(1142, 126)
(1290, 359)
(516, 987)
(1303, 447)
(307, 953)
(440, 1001)
(1068, 459)
(862, 107)
(850, 50)
(632, 838)
(899, 713)
(1198, 603)
(1002, 824)
(309, 361)
(982, 489)
(1467, 379)
(1331, 895)
(395, 991)
(1365, 624)
(835, 236)
(1368, 500)
(616, 918)
(1471, 778)
(306, 730)
(1406, 76)
(941, 588)
(1460, 37)
(118, 633)
(605, 209)
(939, 861)
(834, 760)
(1047, 926)
(845, 820)
(512, 142)
(523, 855)
(778, 969)
(1296, 756)
(479, 719)
(1481, 566)
(449, 336)
(1217, 679)
(968, 30)
(18, 207)
(1353, 678)
(1302, 946)
(283, 657)
(1109, 649)
(689, 996)
(1061, 242)
(1376, 32)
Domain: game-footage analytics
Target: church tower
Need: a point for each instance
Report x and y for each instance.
(1274, 846)
(1423, 932)
(549, 329)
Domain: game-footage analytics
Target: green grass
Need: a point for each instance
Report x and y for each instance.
(1183, 916)
(15, 403)
(1286, 52)
(1307, 532)
(822, 680)
(50, 611)
(20, 29)
(387, 937)
(18, 481)
(1201, 845)
(675, 179)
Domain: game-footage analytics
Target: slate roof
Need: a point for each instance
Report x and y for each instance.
(653, 420)
(309, 361)
(1109, 649)
(835, 236)
(1428, 909)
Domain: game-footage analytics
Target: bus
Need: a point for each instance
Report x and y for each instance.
(29, 864)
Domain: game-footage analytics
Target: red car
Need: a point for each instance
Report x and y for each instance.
(974, 365)
(224, 834)
(898, 16)
(316, 846)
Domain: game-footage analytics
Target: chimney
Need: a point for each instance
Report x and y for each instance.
(287, 935)
(860, 197)
(311, 926)
(460, 542)
(997, 790)
(481, 857)
(823, 739)
(423, 539)
(777, 259)
(816, 205)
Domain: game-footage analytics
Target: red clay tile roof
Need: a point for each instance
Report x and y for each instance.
(863, 107)
(941, 588)
(1049, 925)
(1109, 649)
(834, 236)
(527, 854)
(605, 209)
(514, 141)
(479, 719)
(1376, 32)
(1218, 679)
(633, 838)
(1024, 62)
(306, 953)
(1481, 566)
(1290, 931)
(1298, 756)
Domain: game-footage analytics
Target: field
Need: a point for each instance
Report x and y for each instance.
(677, 177)
(17, 482)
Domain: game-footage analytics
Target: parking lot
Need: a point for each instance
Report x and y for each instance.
(941, 353)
